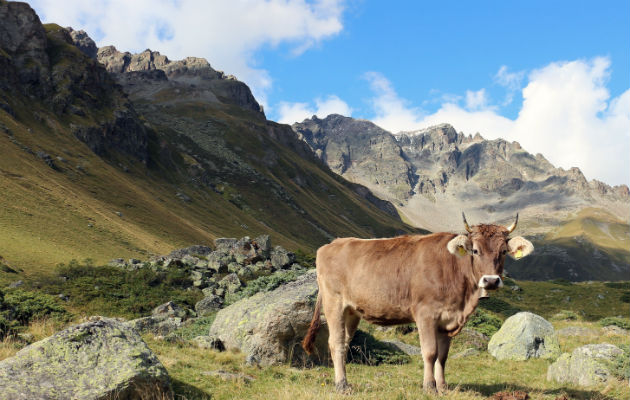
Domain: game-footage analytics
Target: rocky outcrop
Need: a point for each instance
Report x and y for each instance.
(522, 336)
(100, 359)
(136, 69)
(588, 365)
(165, 318)
(268, 327)
(43, 64)
(222, 273)
(24, 62)
(360, 151)
(83, 42)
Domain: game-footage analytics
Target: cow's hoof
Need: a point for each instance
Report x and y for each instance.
(429, 387)
(343, 387)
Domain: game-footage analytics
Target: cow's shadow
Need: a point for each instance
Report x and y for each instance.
(489, 390)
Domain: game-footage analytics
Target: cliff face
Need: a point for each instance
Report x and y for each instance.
(41, 63)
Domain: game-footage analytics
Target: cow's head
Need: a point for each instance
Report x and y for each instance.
(488, 245)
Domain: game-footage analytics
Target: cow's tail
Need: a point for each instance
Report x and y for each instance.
(308, 343)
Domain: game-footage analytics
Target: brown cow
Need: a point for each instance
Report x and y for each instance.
(433, 280)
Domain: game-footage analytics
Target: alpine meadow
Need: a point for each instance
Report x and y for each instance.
(163, 237)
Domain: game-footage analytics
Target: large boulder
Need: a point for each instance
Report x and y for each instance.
(523, 336)
(586, 366)
(100, 359)
(268, 327)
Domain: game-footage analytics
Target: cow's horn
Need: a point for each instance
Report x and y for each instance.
(466, 223)
(513, 226)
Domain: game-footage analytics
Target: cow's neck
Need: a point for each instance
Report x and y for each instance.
(471, 298)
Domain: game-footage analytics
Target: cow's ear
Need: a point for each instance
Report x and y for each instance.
(519, 247)
(460, 245)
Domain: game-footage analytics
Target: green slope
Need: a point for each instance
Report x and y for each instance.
(247, 177)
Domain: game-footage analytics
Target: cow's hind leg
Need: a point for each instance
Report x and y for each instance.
(352, 322)
(335, 318)
(428, 342)
(443, 345)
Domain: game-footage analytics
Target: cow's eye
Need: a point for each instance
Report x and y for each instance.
(475, 251)
(504, 252)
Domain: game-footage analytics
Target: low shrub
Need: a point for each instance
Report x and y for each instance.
(623, 323)
(113, 291)
(484, 322)
(264, 284)
(498, 306)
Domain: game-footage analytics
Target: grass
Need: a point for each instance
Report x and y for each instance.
(475, 377)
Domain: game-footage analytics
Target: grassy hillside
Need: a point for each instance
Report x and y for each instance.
(591, 245)
(210, 170)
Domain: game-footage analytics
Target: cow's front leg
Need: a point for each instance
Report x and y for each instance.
(428, 341)
(443, 345)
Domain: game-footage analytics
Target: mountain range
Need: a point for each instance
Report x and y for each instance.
(107, 154)
(581, 228)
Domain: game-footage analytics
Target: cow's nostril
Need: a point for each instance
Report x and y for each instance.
(485, 280)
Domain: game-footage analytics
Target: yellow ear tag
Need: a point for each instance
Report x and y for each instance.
(462, 251)
(519, 254)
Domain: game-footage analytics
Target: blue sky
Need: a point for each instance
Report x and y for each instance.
(553, 75)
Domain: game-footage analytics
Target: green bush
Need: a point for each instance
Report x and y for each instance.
(25, 306)
(618, 285)
(484, 322)
(498, 306)
(199, 327)
(264, 284)
(616, 321)
(114, 291)
(305, 259)
(621, 367)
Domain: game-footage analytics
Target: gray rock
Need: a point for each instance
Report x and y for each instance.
(263, 243)
(100, 359)
(230, 283)
(169, 309)
(208, 342)
(523, 336)
(470, 352)
(586, 366)
(16, 284)
(208, 305)
(157, 325)
(218, 261)
(269, 327)
(408, 349)
(83, 42)
(280, 258)
(615, 330)
(224, 243)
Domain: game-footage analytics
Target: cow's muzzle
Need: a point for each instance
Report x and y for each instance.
(489, 282)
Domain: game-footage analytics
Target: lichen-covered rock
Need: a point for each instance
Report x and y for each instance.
(269, 327)
(280, 258)
(100, 359)
(157, 325)
(208, 305)
(523, 336)
(586, 366)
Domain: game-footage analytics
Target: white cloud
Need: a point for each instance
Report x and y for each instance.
(567, 115)
(512, 81)
(298, 112)
(392, 112)
(476, 100)
(226, 33)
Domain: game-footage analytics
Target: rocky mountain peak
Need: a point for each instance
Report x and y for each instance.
(83, 42)
(136, 72)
